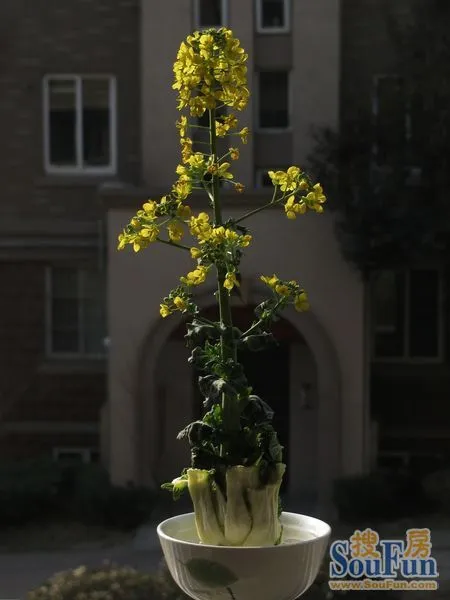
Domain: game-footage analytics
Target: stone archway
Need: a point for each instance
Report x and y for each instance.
(152, 410)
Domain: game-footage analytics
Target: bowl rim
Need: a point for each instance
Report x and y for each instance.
(323, 536)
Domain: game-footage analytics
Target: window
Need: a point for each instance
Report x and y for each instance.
(79, 124)
(75, 455)
(272, 16)
(273, 100)
(407, 315)
(210, 13)
(398, 123)
(76, 319)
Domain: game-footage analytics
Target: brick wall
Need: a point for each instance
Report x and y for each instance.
(69, 37)
(32, 389)
(39, 38)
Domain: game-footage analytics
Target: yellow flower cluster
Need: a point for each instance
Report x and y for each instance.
(230, 281)
(303, 195)
(195, 277)
(178, 299)
(201, 228)
(289, 291)
(210, 71)
(145, 227)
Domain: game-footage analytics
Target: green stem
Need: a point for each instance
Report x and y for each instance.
(230, 412)
(260, 322)
(174, 244)
(261, 208)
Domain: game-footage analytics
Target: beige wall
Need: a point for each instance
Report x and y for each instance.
(316, 73)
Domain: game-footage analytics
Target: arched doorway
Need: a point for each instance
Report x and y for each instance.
(284, 375)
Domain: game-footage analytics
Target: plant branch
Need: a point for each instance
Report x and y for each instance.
(273, 202)
(230, 408)
(260, 322)
(174, 244)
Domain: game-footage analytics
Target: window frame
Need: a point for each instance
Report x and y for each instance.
(49, 351)
(406, 358)
(258, 128)
(415, 171)
(273, 30)
(84, 453)
(224, 20)
(79, 168)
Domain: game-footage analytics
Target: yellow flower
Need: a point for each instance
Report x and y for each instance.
(244, 133)
(183, 211)
(182, 189)
(276, 176)
(231, 235)
(164, 310)
(239, 188)
(303, 185)
(195, 277)
(301, 303)
(150, 208)
(182, 125)
(197, 161)
(293, 208)
(222, 171)
(231, 121)
(150, 232)
(245, 240)
(218, 234)
(230, 281)
(210, 70)
(234, 153)
(175, 231)
(289, 208)
(221, 129)
(270, 281)
(200, 227)
(180, 303)
(186, 149)
(282, 289)
(123, 241)
(197, 106)
(196, 253)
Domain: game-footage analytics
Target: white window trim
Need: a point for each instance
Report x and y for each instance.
(224, 9)
(257, 126)
(85, 453)
(415, 171)
(50, 353)
(273, 30)
(79, 168)
(405, 359)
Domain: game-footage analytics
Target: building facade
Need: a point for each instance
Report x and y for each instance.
(88, 120)
(69, 113)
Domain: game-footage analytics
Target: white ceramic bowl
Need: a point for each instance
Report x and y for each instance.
(281, 572)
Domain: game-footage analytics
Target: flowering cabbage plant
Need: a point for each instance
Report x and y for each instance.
(236, 459)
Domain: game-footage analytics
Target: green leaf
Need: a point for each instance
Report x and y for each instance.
(259, 341)
(257, 411)
(196, 432)
(210, 573)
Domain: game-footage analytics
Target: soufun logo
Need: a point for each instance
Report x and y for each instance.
(383, 564)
